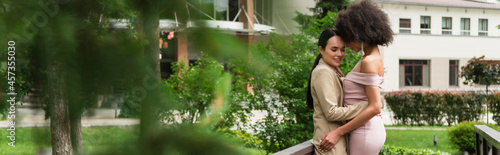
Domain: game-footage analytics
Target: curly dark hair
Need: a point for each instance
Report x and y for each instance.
(364, 22)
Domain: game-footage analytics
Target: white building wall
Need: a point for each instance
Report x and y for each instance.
(397, 11)
(437, 48)
(284, 12)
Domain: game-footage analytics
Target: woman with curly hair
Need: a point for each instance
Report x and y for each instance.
(363, 26)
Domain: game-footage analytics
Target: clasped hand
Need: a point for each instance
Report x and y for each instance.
(329, 140)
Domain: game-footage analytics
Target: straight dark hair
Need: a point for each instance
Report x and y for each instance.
(323, 38)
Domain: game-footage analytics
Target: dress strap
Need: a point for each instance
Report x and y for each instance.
(365, 79)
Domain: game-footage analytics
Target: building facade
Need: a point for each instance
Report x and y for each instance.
(434, 38)
(249, 20)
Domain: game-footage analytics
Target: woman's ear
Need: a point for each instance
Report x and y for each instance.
(321, 50)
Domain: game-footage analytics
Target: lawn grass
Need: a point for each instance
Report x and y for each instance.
(95, 140)
(420, 139)
(30, 140)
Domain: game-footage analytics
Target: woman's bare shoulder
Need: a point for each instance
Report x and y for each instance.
(371, 64)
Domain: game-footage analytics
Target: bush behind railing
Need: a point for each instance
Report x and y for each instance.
(494, 104)
(415, 107)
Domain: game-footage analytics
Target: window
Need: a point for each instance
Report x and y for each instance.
(446, 26)
(414, 72)
(263, 11)
(404, 25)
(453, 73)
(465, 26)
(425, 25)
(483, 27)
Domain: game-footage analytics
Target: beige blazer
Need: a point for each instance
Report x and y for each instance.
(329, 111)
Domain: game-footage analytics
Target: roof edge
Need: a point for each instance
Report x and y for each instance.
(437, 5)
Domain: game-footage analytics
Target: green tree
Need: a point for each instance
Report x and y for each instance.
(324, 6)
(480, 71)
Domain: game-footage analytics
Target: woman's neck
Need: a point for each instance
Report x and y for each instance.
(370, 50)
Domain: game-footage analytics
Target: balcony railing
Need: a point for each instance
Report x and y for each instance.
(425, 31)
(405, 30)
(446, 32)
(305, 148)
(465, 32)
(487, 140)
(483, 33)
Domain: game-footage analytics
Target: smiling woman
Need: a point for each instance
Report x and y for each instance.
(333, 53)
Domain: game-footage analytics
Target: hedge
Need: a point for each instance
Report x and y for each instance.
(413, 107)
(392, 150)
(494, 106)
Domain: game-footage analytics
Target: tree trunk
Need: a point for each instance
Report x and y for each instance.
(59, 119)
(487, 112)
(150, 24)
(76, 133)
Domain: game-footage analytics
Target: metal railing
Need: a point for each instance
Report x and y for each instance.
(487, 140)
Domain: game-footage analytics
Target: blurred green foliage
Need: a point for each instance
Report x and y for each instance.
(194, 86)
(75, 57)
(246, 138)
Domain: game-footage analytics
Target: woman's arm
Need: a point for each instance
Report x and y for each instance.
(374, 107)
(327, 88)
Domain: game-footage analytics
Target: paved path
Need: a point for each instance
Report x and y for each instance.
(406, 128)
(26, 117)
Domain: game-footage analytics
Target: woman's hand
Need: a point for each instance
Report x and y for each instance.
(329, 140)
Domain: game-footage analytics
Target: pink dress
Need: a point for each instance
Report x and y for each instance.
(369, 138)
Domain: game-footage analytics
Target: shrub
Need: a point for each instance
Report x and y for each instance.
(131, 107)
(494, 105)
(189, 94)
(473, 106)
(398, 102)
(463, 137)
(392, 150)
(452, 106)
(432, 111)
(244, 137)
